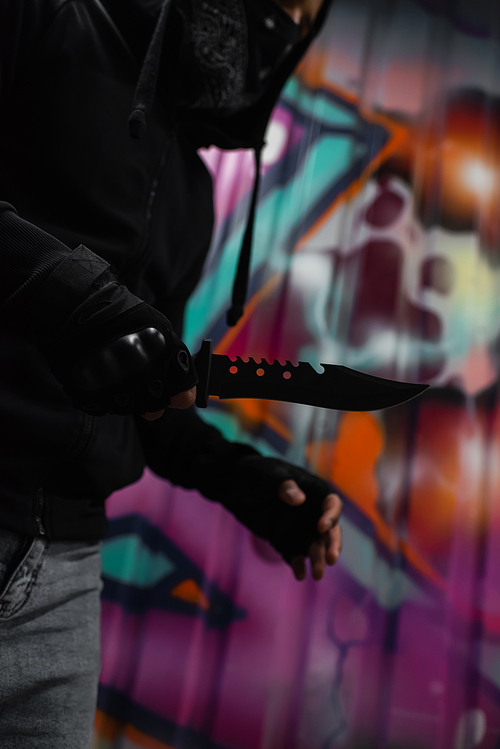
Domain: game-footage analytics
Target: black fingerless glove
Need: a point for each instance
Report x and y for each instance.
(118, 355)
(255, 502)
(111, 351)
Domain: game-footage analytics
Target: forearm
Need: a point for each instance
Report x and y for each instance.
(42, 280)
(188, 452)
(112, 352)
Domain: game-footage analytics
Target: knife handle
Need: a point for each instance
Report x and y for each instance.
(203, 364)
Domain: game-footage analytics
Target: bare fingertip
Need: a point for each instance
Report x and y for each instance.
(152, 415)
(298, 571)
(296, 496)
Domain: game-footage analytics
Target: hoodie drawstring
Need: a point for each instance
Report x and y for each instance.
(146, 85)
(240, 284)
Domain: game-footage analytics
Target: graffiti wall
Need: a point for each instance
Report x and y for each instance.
(376, 246)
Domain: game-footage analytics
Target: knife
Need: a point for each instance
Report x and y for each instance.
(337, 387)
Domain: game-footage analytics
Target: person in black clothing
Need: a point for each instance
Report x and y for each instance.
(105, 221)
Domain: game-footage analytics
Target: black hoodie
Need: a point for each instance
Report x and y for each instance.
(72, 175)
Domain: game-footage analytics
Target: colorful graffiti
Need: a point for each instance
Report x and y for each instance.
(376, 246)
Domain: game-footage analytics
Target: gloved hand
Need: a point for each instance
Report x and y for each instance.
(294, 510)
(118, 355)
(282, 503)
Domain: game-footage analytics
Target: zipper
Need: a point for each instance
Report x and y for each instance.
(40, 505)
(77, 450)
(84, 439)
(136, 261)
(81, 443)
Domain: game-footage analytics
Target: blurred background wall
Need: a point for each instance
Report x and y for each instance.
(376, 246)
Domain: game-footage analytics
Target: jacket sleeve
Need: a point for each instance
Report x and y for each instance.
(188, 452)
(42, 281)
(28, 255)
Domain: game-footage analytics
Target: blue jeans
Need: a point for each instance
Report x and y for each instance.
(49, 642)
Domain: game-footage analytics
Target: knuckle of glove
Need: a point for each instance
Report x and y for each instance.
(261, 477)
(115, 354)
(111, 364)
(123, 376)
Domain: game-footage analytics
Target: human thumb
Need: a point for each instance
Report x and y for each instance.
(290, 493)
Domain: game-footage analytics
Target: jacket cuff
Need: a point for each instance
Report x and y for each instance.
(39, 315)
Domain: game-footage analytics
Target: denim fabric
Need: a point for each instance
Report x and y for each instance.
(49, 642)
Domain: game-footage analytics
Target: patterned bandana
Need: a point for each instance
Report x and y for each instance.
(214, 50)
(228, 51)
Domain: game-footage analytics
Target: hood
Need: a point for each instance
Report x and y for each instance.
(246, 127)
(152, 29)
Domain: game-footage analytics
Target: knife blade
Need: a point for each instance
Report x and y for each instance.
(338, 387)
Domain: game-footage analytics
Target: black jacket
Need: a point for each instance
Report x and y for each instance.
(71, 175)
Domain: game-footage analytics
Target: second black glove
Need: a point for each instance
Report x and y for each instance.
(255, 502)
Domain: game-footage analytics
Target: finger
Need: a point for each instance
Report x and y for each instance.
(299, 567)
(333, 543)
(183, 400)
(317, 554)
(290, 493)
(332, 509)
(153, 415)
